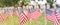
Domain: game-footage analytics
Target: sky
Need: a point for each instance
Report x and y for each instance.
(58, 1)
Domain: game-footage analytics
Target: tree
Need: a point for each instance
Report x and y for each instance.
(9, 2)
(25, 2)
(50, 2)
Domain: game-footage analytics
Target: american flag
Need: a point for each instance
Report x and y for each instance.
(23, 19)
(5, 14)
(32, 10)
(50, 15)
(35, 14)
(55, 18)
(15, 12)
(5, 10)
(57, 12)
(1, 16)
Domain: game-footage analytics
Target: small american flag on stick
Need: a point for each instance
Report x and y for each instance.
(35, 15)
(50, 15)
(1, 16)
(5, 14)
(23, 19)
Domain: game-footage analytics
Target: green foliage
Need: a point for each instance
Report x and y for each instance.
(8, 2)
(25, 2)
(50, 2)
(57, 6)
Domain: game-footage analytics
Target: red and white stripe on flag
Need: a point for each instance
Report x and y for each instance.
(52, 17)
(49, 15)
(23, 19)
(1, 17)
(35, 15)
(5, 16)
(16, 13)
(58, 16)
(55, 20)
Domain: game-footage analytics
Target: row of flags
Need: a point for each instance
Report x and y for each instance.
(24, 15)
(51, 15)
(5, 16)
(30, 15)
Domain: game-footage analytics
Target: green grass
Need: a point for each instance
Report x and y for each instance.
(14, 20)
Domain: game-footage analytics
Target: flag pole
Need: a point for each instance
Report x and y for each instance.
(45, 14)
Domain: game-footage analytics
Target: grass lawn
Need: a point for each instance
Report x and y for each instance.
(14, 20)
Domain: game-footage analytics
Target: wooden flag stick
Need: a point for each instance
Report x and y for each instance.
(45, 17)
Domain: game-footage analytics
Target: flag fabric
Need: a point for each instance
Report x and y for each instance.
(55, 18)
(50, 15)
(13, 11)
(1, 16)
(35, 14)
(5, 10)
(32, 10)
(57, 13)
(27, 12)
(5, 14)
(56, 21)
(16, 13)
(23, 19)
